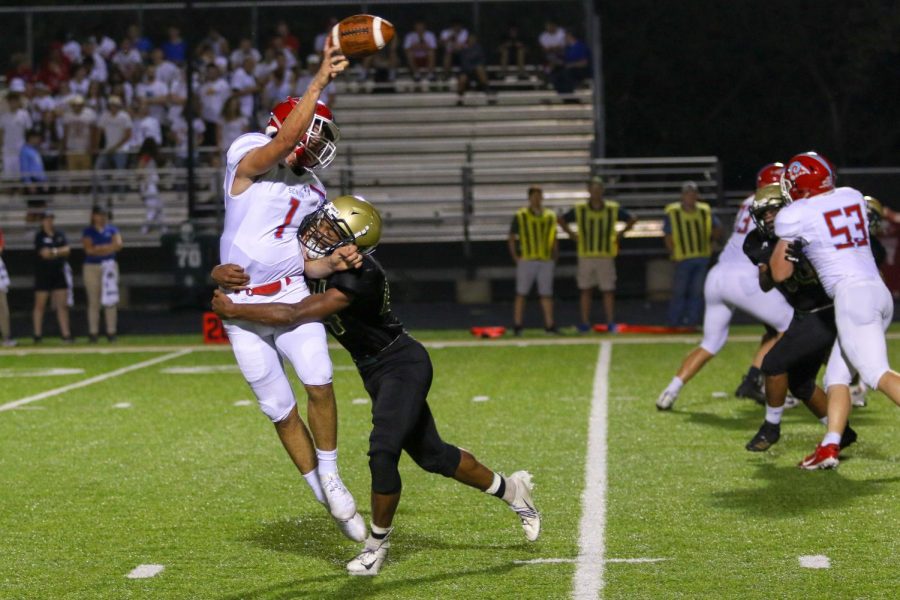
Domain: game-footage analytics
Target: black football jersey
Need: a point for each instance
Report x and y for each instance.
(367, 326)
(803, 290)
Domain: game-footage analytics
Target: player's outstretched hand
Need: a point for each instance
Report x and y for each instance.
(230, 277)
(222, 304)
(345, 258)
(333, 63)
(794, 251)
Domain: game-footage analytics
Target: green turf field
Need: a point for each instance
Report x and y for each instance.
(153, 465)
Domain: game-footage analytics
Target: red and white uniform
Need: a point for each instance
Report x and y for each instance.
(733, 283)
(835, 230)
(261, 236)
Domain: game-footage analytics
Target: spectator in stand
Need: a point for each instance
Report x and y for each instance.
(319, 43)
(471, 65)
(96, 97)
(245, 87)
(154, 93)
(32, 164)
(13, 125)
(420, 46)
(534, 248)
(97, 70)
(234, 123)
(20, 68)
(121, 88)
(127, 60)
(54, 70)
(290, 40)
(214, 91)
(71, 49)
(115, 124)
(245, 49)
(79, 135)
(279, 83)
(149, 180)
(51, 278)
(453, 40)
(100, 272)
(51, 140)
(575, 68)
(553, 44)
(42, 102)
(177, 97)
(512, 46)
(217, 42)
(175, 48)
(165, 70)
(106, 46)
(178, 133)
(383, 65)
(328, 96)
(80, 84)
(140, 42)
(278, 46)
(5, 330)
(144, 126)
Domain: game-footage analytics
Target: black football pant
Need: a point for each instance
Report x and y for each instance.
(802, 350)
(398, 384)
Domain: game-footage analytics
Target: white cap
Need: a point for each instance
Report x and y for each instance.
(222, 63)
(17, 85)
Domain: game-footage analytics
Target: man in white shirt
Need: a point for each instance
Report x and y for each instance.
(244, 50)
(13, 125)
(154, 93)
(420, 46)
(453, 40)
(79, 135)
(115, 124)
(166, 70)
(127, 59)
(553, 43)
(214, 91)
(245, 86)
(92, 57)
(144, 125)
(270, 186)
(830, 227)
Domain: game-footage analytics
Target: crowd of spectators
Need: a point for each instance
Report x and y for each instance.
(94, 103)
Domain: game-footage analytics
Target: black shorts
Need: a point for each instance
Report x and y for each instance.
(49, 278)
(802, 350)
(401, 419)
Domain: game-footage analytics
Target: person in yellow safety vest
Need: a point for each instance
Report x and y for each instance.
(534, 248)
(690, 229)
(597, 242)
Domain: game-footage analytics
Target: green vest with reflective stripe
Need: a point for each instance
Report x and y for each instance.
(597, 230)
(537, 233)
(691, 231)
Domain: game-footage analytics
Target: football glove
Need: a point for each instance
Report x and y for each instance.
(794, 250)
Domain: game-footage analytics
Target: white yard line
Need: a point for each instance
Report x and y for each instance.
(92, 380)
(592, 529)
(815, 561)
(145, 571)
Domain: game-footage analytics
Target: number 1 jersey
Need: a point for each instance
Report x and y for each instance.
(261, 223)
(834, 228)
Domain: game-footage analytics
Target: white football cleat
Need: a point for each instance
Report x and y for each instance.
(354, 528)
(340, 500)
(791, 401)
(858, 394)
(523, 505)
(369, 561)
(666, 400)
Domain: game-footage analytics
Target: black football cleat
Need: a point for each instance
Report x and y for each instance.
(751, 388)
(767, 435)
(848, 437)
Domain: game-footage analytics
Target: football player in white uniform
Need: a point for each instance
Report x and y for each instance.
(270, 186)
(733, 284)
(830, 227)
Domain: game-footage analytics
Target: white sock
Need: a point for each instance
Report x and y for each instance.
(831, 438)
(824, 421)
(312, 479)
(675, 385)
(327, 461)
(379, 533)
(495, 485)
(773, 414)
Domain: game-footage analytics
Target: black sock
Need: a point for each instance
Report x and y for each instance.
(379, 536)
(502, 489)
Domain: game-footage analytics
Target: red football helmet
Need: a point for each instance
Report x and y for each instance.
(316, 149)
(806, 175)
(769, 174)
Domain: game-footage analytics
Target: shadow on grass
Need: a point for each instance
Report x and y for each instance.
(748, 420)
(789, 491)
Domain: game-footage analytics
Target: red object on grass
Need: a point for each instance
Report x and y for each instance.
(488, 332)
(657, 329)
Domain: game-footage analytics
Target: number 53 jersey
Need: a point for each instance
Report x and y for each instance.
(834, 229)
(261, 223)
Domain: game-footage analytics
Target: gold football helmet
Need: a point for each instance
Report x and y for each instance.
(343, 221)
(875, 212)
(767, 198)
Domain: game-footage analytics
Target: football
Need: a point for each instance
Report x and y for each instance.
(362, 35)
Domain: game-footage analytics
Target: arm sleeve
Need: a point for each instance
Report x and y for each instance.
(356, 282)
(242, 146)
(789, 223)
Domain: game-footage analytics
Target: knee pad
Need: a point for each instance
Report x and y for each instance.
(385, 474)
(444, 461)
(274, 395)
(802, 389)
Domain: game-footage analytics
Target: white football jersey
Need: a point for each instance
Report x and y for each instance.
(261, 223)
(733, 252)
(835, 230)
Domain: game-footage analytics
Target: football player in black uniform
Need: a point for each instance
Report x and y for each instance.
(794, 361)
(395, 368)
